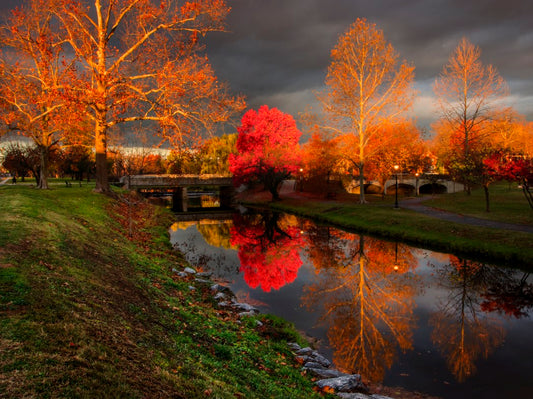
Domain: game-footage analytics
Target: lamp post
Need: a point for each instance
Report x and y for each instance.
(416, 183)
(396, 257)
(396, 167)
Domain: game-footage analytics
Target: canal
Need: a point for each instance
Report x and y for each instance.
(398, 315)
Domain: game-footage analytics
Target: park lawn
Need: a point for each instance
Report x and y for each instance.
(507, 204)
(380, 219)
(86, 310)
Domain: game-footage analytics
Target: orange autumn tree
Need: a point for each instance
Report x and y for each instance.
(403, 146)
(506, 130)
(320, 157)
(366, 86)
(144, 60)
(34, 74)
(467, 92)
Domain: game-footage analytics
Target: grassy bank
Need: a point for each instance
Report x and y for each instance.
(86, 310)
(507, 204)
(379, 218)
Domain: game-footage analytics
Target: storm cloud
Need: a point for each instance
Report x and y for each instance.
(276, 52)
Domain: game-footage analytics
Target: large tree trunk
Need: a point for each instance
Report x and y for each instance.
(45, 161)
(102, 182)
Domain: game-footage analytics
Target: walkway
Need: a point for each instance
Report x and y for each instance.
(414, 204)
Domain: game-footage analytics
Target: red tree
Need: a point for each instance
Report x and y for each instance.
(268, 150)
(501, 166)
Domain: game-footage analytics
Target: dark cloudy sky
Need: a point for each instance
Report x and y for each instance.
(277, 51)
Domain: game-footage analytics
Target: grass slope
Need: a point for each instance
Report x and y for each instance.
(87, 311)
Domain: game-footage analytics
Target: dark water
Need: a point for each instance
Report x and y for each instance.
(396, 314)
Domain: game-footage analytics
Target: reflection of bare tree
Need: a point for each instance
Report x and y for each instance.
(460, 329)
(368, 305)
(510, 295)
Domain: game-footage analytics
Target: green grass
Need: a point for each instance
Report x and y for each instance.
(380, 219)
(507, 204)
(85, 311)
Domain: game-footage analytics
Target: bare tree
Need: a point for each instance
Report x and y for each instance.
(467, 91)
(366, 85)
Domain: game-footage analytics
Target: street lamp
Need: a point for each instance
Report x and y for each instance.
(396, 167)
(416, 183)
(396, 258)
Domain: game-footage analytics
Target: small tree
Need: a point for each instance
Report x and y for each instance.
(16, 160)
(77, 161)
(215, 154)
(320, 158)
(404, 147)
(267, 149)
(502, 166)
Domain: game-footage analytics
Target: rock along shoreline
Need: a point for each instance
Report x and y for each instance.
(346, 386)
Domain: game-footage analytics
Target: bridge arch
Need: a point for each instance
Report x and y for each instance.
(405, 189)
(433, 188)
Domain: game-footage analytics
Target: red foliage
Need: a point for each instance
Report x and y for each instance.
(267, 147)
(269, 256)
(503, 167)
(512, 297)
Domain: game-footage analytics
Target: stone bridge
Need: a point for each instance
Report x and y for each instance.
(176, 185)
(425, 184)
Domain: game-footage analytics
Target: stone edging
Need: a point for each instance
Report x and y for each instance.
(346, 386)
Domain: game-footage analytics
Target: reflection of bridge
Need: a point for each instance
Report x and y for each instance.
(426, 184)
(177, 185)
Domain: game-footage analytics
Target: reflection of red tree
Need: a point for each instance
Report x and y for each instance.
(510, 296)
(269, 256)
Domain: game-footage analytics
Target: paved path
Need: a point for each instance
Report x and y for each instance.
(415, 204)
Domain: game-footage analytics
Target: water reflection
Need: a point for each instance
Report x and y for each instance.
(372, 297)
(461, 329)
(269, 249)
(366, 291)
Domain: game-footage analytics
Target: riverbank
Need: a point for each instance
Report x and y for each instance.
(92, 304)
(493, 244)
